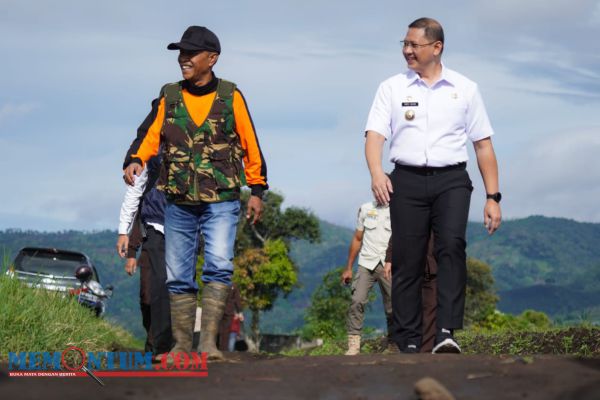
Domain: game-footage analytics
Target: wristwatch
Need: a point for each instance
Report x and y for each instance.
(496, 197)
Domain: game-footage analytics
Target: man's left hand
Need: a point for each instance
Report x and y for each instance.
(255, 208)
(131, 266)
(492, 216)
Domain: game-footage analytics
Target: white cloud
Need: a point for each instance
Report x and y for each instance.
(557, 176)
(595, 15)
(12, 111)
(309, 71)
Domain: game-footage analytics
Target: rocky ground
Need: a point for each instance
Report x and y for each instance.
(373, 376)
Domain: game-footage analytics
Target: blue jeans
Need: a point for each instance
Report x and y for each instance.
(232, 340)
(217, 223)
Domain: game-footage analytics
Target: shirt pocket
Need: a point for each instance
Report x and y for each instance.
(370, 223)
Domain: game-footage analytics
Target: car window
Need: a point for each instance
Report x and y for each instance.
(49, 263)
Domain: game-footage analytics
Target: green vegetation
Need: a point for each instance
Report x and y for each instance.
(264, 269)
(39, 320)
(527, 320)
(262, 275)
(547, 264)
(326, 316)
(488, 331)
(481, 298)
(580, 341)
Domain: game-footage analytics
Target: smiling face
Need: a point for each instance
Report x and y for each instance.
(420, 52)
(196, 66)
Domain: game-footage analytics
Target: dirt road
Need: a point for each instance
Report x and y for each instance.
(339, 377)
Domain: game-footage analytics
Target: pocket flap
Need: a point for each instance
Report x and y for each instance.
(220, 153)
(370, 223)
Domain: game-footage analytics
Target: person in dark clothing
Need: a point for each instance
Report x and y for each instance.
(428, 294)
(151, 215)
(233, 308)
(428, 113)
(135, 241)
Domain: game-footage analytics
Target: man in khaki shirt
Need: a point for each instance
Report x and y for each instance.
(369, 242)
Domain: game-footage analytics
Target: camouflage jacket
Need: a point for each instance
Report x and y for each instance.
(201, 163)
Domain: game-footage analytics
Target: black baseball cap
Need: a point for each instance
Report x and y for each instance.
(197, 38)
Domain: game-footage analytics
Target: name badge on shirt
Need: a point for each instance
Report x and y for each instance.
(372, 214)
(410, 104)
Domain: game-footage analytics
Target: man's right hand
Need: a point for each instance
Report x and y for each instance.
(387, 271)
(122, 244)
(134, 169)
(381, 185)
(347, 276)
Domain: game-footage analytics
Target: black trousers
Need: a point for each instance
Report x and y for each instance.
(144, 267)
(425, 200)
(160, 307)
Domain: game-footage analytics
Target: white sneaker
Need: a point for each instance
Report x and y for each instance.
(353, 345)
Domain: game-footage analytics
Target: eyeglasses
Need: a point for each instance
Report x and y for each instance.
(406, 44)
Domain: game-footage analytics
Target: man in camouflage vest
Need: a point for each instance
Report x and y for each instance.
(210, 150)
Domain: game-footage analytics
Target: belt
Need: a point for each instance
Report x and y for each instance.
(430, 171)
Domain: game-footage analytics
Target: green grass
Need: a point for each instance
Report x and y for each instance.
(583, 340)
(39, 320)
(580, 341)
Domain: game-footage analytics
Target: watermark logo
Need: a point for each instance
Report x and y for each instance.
(73, 362)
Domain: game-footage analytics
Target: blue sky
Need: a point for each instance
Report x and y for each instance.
(78, 77)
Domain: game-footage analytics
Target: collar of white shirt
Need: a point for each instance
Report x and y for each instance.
(412, 77)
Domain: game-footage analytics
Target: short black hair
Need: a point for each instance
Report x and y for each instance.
(433, 29)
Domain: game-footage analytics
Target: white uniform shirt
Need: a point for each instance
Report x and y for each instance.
(375, 222)
(444, 116)
(131, 202)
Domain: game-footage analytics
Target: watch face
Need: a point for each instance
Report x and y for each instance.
(496, 197)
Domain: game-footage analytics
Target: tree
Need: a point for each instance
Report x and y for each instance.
(481, 298)
(289, 224)
(264, 269)
(325, 317)
(262, 274)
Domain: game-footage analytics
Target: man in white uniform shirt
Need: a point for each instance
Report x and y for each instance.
(370, 241)
(428, 113)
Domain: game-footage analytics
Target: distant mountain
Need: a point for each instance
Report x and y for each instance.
(539, 250)
(551, 299)
(549, 264)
